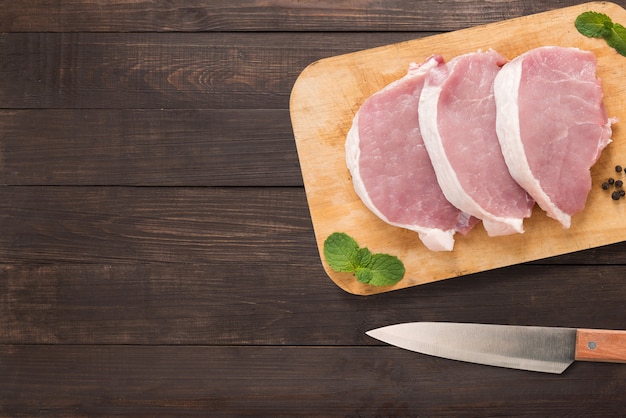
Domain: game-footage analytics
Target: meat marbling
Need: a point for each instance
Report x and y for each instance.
(457, 115)
(552, 125)
(391, 170)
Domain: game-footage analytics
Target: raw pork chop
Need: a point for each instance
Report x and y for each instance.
(457, 114)
(552, 125)
(391, 170)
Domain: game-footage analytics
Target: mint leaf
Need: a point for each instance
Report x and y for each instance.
(343, 254)
(386, 270)
(383, 270)
(617, 39)
(363, 257)
(599, 25)
(364, 275)
(340, 251)
(594, 24)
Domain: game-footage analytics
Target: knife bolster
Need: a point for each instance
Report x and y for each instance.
(601, 345)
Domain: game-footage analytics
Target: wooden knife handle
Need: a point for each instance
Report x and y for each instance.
(601, 345)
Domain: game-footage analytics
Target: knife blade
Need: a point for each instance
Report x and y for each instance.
(541, 349)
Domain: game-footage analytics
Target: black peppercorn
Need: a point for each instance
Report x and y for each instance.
(619, 183)
(622, 193)
(605, 186)
(618, 168)
(615, 195)
(611, 180)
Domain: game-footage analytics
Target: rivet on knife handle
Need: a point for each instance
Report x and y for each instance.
(601, 345)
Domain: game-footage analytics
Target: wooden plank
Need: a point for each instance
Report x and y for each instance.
(169, 225)
(156, 224)
(289, 382)
(257, 15)
(165, 70)
(280, 303)
(148, 147)
(329, 92)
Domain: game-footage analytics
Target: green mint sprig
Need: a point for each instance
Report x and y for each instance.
(599, 25)
(343, 254)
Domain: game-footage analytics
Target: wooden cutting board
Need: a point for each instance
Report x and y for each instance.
(328, 93)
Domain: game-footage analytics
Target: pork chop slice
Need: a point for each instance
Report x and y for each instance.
(457, 115)
(552, 125)
(391, 170)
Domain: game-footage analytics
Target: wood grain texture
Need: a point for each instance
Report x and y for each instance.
(236, 303)
(157, 224)
(287, 382)
(257, 15)
(164, 70)
(328, 93)
(143, 147)
(171, 225)
(601, 345)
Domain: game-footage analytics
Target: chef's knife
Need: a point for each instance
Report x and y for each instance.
(542, 349)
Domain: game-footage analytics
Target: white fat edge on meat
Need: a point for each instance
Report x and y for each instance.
(506, 90)
(446, 175)
(433, 238)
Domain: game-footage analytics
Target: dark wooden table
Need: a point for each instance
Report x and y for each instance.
(157, 256)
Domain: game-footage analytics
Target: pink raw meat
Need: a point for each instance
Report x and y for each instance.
(391, 170)
(457, 114)
(552, 125)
